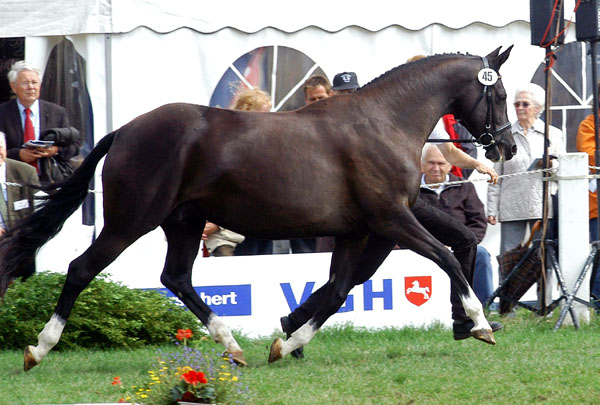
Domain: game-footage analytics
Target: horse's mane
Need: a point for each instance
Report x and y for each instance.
(412, 66)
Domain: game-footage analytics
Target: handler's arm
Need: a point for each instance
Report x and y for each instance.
(457, 157)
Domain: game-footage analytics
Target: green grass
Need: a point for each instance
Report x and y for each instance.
(529, 364)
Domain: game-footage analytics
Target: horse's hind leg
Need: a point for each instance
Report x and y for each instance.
(343, 264)
(184, 243)
(463, 242)
(81, 272)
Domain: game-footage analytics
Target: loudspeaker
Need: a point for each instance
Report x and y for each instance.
(540, 12)
(587, 17)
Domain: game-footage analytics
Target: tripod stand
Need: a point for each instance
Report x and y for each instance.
(592, 261)
(522, 268)
(526, 272)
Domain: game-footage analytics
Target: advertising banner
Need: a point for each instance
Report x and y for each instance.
(251, 293)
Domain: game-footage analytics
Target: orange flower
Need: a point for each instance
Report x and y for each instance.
(117, 381)
(183, 334)
(194, 377)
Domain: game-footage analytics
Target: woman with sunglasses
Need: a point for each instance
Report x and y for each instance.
(516, 202)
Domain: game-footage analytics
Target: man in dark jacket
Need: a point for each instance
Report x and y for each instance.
(462, 203)
(27, 118)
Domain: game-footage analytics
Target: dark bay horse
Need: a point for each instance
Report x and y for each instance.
(346, 166)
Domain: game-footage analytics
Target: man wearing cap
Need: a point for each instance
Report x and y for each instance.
(345, 82)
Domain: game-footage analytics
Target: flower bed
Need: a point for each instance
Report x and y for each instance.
(187, 375)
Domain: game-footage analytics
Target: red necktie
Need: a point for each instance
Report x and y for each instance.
(29, 131)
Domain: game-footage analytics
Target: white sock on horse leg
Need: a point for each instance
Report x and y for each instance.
(474, 310)
(221, 334)
(48, 337)
(299, 338)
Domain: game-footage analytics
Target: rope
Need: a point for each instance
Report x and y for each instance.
(447, 183)
(10, 183)
(550, 178)
(503, 176)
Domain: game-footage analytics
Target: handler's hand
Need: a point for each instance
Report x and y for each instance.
(491, 220)
(209, 229)
(484, 169)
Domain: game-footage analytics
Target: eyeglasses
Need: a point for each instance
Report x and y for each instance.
(518, 104)
(27, 84)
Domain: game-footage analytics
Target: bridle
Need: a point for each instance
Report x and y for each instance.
(487, 138)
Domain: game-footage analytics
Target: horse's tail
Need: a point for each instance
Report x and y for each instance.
(19, 245)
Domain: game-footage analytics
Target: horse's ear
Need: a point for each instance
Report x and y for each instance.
(494, 53)
(497, 60)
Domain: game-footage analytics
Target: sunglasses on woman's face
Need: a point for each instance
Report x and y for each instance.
(524, 104)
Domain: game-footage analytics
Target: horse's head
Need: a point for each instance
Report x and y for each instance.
(483, 107)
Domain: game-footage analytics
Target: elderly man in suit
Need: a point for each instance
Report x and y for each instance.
(16, 202)
(26, 118)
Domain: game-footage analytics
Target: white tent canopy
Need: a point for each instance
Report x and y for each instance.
(141, 54)
(71, 17)
(144, 53)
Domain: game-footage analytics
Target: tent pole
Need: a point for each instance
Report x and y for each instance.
(108, 81)
(545, 185)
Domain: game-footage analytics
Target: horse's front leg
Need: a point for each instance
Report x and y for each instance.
(341, 280)
(463, 242)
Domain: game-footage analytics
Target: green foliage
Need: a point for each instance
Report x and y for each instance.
(106, 315)
(530, 364)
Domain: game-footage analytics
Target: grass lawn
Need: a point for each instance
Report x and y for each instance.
(530, 364)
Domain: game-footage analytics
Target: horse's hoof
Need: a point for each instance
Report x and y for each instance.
(485, 335)
(29, 361)
(275, 353)
(238, 357)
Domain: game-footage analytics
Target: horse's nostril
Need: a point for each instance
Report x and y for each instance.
(513, 150)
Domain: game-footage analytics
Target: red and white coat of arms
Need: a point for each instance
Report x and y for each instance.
(418, 289)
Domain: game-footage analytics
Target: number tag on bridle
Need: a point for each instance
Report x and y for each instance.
(487, 76)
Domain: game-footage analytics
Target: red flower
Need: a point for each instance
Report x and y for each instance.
(183, 334)
(194, 377)
(117, 381)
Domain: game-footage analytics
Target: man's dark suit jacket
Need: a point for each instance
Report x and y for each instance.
(22, 173)
(51, 116)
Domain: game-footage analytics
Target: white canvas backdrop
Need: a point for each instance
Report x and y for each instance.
(143, 54)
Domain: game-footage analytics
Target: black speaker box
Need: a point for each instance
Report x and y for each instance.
(540, 12)
(586, 18)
